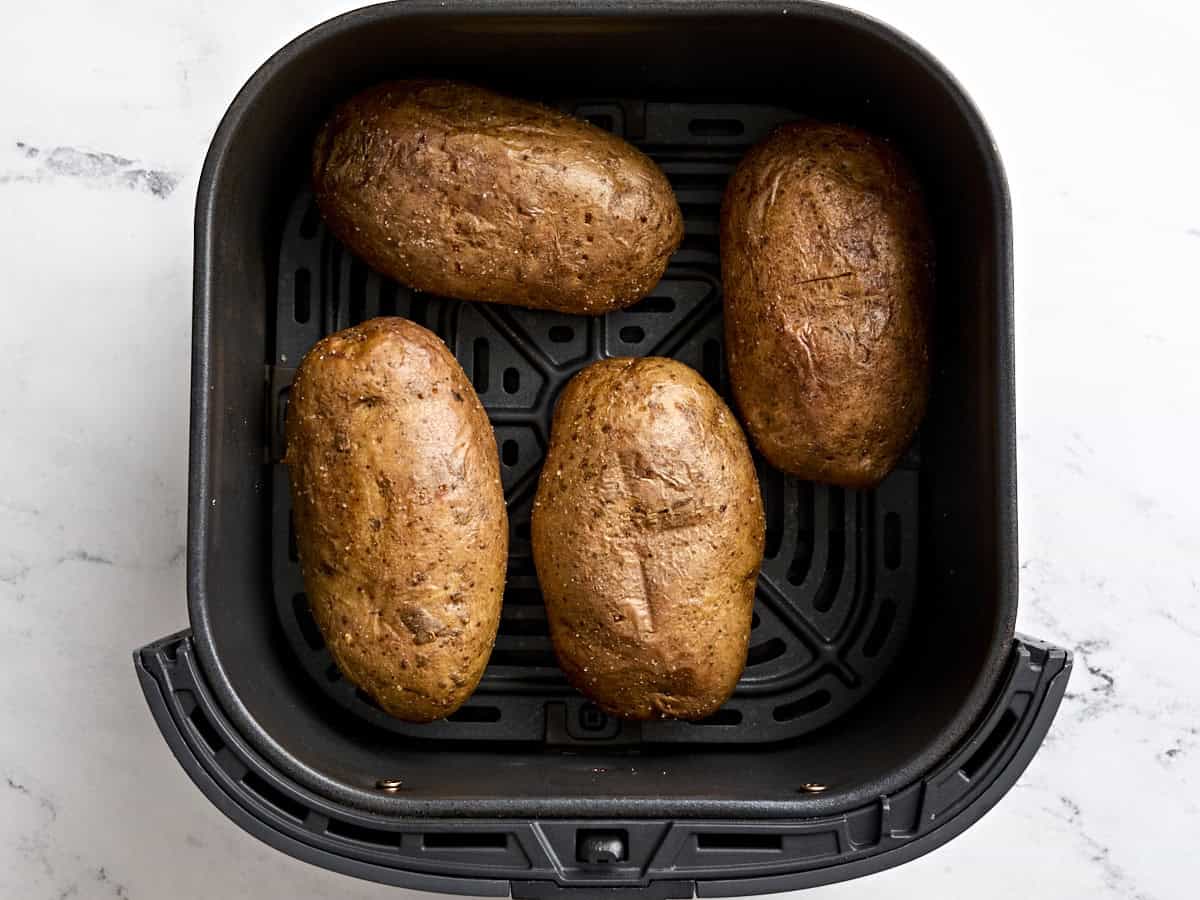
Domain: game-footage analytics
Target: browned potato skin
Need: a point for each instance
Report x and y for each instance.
(399, 514)
(462, 192)
(827, 265)
(647, 537)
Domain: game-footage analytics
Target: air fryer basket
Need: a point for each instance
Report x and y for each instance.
(886, 703)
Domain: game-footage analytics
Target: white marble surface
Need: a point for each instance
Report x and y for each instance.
(105, 114)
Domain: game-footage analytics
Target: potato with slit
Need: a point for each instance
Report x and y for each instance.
(399, 514)
(459, 191)
(827, 266)
(647, 537)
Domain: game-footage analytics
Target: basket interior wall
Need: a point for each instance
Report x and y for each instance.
(961, 596)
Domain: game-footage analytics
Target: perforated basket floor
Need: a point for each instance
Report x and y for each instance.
(838, 583)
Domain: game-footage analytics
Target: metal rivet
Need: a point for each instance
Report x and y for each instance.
(391, 785)
(812, 787)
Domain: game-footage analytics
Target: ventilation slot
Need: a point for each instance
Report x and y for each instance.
(363, 835)
(302, 296)
(772, 492)
(602, 120)
(803, 551)
(801, 560)
(521, 659)
(711, 362)
(512, 380)
(692, 211)
(479, 365)
(468, 840)
(418, 309)
(698, 243)
(520, 565)
(525, 627)
(712, 180)
(802, 707)
(510, 453)
(358, 291)
(206, 731)
(891, 540)
(654, 305)
(632, 334)
(387, 298)
(475, 714)
(991, 745)
(274, 797)
(880, 630)
(765, 652)
(333, 674)
(308, 627)
(722, 717)
(716, 127)
(745, 841)
(831, 582)
(523, 596)
(561, 334)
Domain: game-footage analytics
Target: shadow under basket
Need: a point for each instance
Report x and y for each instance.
(886, 703)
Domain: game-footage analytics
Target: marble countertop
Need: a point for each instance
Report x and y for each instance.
(107, 114)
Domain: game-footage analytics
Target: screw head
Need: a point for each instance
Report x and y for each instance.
(812, 787)
(389, 785)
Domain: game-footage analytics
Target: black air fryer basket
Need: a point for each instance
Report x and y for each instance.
(886, 703)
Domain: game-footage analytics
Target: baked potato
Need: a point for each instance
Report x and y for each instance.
(462, 192)
(399, 514)
(648, 534)
(827, 269)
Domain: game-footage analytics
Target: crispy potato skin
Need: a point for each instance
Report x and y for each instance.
(462, 192)
(827, 265)
(399, 514)
(647, 537)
